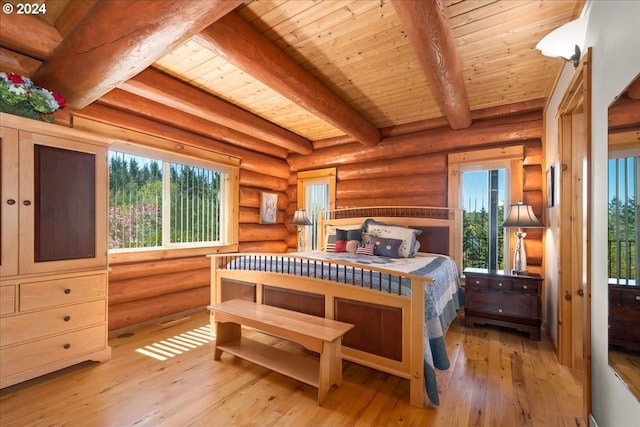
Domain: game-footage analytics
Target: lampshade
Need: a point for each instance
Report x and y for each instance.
(566, 41)
(521, 216)
(300, 218)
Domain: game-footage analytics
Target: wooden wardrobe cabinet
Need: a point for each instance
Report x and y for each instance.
(53, 248)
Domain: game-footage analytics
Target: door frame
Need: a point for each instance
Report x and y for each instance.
(574, 290)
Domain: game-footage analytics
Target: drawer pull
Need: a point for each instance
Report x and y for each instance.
(67, 346)
(477, 282)
(637, 297)
(499, 310)
(67, 318)
(67, 291)
(525, 287)
(500, 284)
(11, 202)
(27, 203)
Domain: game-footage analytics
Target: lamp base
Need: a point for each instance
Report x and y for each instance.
(515, 272)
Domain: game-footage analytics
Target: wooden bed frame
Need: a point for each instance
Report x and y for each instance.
(378, 315)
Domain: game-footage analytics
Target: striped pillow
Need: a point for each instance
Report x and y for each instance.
(365, 248)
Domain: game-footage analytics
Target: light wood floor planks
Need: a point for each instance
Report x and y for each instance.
(497, 377)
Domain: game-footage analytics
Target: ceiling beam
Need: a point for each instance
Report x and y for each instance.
(114, 43)
(426, 26)
(166, 90)
(238, 42)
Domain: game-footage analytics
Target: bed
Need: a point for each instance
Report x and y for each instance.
(401, 299)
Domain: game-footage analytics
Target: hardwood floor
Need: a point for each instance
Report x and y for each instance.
(497, 377)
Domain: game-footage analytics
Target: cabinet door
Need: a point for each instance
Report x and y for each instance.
(63, 204)
(9, 198)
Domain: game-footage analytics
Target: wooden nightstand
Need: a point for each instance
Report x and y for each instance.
(502, 299)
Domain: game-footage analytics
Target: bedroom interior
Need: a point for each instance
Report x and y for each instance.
(285, 97)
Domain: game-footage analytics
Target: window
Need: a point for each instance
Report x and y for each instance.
(161, 201)
(483, 196)
(482, 183)
(623, 218)
(316, 192)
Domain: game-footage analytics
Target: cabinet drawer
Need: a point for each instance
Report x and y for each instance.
(7, 299)
(528, 286)
(504, 304)
(19, 358)
(477, 282)
(29, 326)
(69, 290)
(630, 299)
(500, 283)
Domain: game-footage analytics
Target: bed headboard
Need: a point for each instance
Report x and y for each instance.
(441, 227)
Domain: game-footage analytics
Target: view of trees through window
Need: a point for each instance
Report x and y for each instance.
(154, 203)
(623, 220)
(483, 203)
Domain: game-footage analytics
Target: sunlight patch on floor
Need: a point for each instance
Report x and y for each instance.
(175, 346)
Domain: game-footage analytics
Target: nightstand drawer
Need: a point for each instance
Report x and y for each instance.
(500, 284)
(523, 285)
(476, 282)
(504, 304)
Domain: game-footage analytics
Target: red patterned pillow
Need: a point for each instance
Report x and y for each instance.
(341, 246)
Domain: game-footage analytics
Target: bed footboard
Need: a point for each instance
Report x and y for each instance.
(389, 327)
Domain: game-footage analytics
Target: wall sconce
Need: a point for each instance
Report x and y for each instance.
(520, 216)
(565, 42)
(300, 219)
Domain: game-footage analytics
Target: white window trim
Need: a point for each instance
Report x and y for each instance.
(509, 158)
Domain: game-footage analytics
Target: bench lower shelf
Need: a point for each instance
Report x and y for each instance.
(298, 365)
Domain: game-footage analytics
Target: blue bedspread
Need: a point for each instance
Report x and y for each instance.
(442, 299)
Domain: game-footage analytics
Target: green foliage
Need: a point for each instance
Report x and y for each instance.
(475, 250)
(136, 204)
(622, 238)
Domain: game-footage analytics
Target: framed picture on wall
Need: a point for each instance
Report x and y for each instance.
(268, 208)
(551, 186)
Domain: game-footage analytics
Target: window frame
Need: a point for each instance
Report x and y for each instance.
(509, 158)
(201, 159)
(317, 176)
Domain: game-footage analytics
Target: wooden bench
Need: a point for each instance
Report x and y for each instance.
(323, 336)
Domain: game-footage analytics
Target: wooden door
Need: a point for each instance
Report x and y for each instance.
(10, 202)
(574, 292)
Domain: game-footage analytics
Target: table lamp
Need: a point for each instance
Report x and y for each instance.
(300, 219)
(520, 216)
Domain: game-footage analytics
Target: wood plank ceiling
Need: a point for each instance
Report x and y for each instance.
(296, 74)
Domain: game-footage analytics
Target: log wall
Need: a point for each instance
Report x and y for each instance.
(404, 170)
(412, 169)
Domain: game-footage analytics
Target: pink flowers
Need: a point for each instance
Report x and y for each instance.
(19, 95)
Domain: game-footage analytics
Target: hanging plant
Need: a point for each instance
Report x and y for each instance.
(20, 96)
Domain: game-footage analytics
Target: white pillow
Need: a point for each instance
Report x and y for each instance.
(407, 235)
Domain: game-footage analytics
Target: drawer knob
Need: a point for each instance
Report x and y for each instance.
(525, 287)
(67, 318)
(27, 202)
(11, 202)
(500, 284)
(477, 282)
(499, 310)
(67, 346)
(637, 297)
(67, 291)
